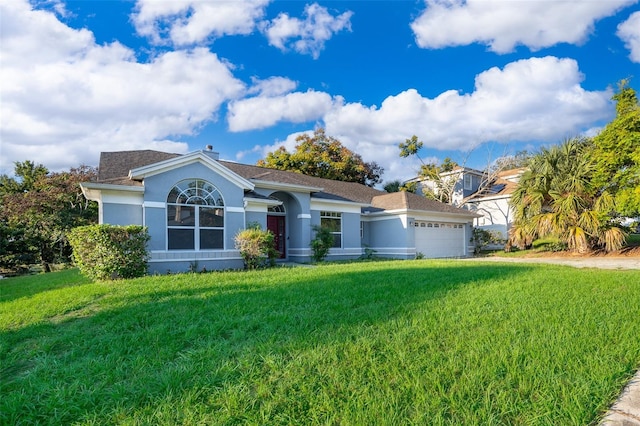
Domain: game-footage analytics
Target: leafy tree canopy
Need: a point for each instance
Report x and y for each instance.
(617, 153)
(324, 156)
(38, 208)
(26, 175)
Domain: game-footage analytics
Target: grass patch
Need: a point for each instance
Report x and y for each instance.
(633, 240)
(415, 342)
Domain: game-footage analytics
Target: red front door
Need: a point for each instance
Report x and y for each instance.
(276, 225)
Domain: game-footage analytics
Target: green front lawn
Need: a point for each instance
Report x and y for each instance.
(404, 342)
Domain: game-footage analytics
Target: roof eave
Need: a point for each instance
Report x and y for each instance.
(267, 184)
(198, 156)
(92, 190)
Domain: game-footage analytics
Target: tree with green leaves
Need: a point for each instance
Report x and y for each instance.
(39, 207)
(324, 156)
(556, 197)
(26, 174)
(617, 153)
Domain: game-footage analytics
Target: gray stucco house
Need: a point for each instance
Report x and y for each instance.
(194, 204)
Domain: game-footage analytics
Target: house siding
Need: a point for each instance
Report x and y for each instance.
(388, 231)
(121, 214)
(389, 237)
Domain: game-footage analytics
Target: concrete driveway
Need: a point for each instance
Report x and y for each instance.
(602, 262)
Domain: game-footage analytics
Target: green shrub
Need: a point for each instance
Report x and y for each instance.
(482, 238)
(321, 244)
(108, 252)
(256, 246)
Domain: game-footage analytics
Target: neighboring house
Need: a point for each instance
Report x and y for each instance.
(194, 204)
(488, 196)
(458, 184)
(492, 203)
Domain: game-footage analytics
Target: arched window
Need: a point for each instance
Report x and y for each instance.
(195, 216)
(279, 209)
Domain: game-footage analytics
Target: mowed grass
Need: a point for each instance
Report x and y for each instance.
(385, 343)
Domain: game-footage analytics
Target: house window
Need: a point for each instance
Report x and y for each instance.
(467, 182)
(279, 209)
(333, 222)
(195, 216)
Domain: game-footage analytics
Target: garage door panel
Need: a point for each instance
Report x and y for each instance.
(443, 240)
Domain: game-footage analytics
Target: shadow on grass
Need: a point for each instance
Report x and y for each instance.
(154, 345)
(29, 285)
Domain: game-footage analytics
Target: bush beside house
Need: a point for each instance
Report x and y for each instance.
(105, 252)
(256, 246)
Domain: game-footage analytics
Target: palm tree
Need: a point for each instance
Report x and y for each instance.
(555, 197)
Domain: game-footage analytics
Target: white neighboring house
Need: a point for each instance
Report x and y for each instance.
(493, 203)
(487, 196)
(461, 182)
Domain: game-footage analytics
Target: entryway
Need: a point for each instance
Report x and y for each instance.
(277, 225)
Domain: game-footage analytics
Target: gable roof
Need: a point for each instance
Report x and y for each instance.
(326, 188)
(202, 157)
(116, 165)
(410, 201)
(115, 168)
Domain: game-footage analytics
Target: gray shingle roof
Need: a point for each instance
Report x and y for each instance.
(115, 166)
(409, 201)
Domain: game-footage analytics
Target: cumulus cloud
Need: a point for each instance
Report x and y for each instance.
(272, 86)
(629, 32)
(502, 25)
(262, 150)
(537, 99)
(264, 111)
(66, 98)
(306, 36)
(186, 22)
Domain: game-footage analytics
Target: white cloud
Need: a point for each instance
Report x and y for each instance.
(186, 22)
(272, 86)
(537, 99)
(65, 98)
(306, 36)
(502, 25)
(264, 111)
(262, 150)
(629, 32)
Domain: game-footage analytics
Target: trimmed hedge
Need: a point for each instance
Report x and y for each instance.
(105, 252)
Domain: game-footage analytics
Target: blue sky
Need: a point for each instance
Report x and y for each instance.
(474, 80)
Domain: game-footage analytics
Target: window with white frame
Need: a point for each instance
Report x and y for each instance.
(333, 222)
(467, 182)
(195, 216)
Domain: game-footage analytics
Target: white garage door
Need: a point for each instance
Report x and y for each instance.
(438, 239)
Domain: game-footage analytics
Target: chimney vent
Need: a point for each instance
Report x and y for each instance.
(208, 148)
